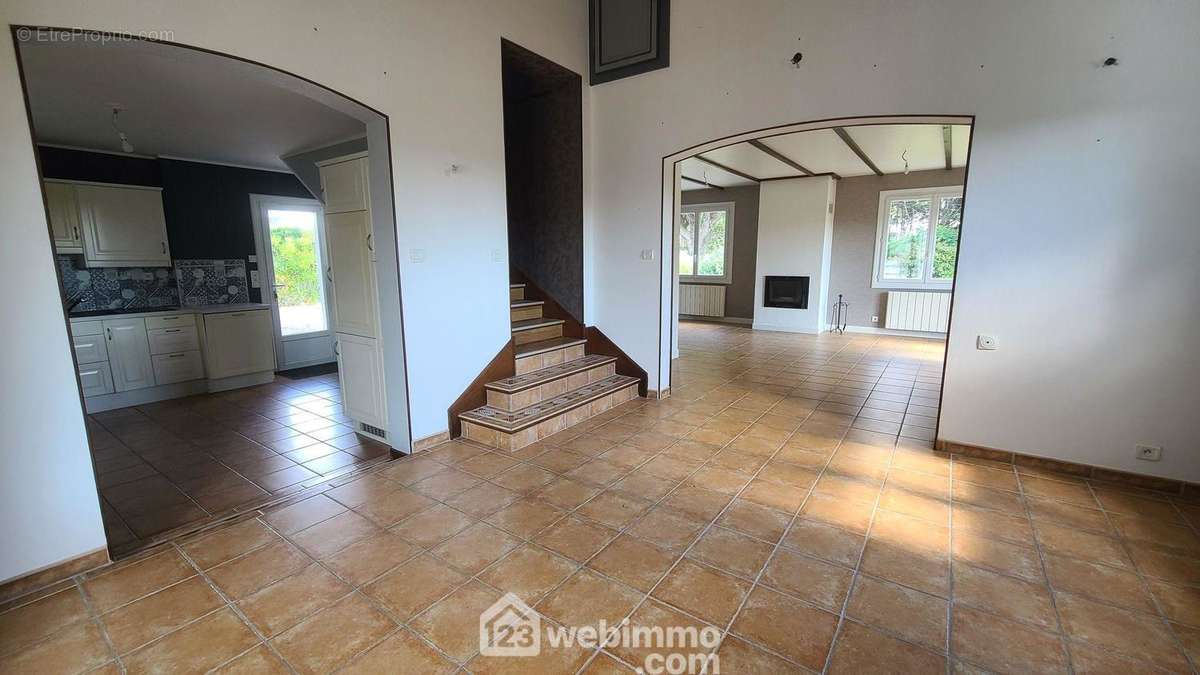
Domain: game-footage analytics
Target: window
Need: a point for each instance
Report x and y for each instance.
(917, 241)
(706, 242)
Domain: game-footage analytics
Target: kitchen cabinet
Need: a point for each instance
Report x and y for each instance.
(344, 185)
(354, 295)
(177, 367)
(122, 226)
(96, 379)
(360, 370)
(128, 354)
(239, 343)
(64, 217)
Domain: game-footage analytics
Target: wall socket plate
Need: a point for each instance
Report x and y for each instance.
(874, 319)
(985, 342)
(1149, 453)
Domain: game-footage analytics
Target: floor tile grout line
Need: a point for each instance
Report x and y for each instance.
(95, 616)
(233, 606)
(1060, 632)
(1126, 548)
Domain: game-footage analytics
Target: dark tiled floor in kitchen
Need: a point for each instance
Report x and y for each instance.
(165, 465)
(742, 504)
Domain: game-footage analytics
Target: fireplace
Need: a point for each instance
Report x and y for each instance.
(788, 292)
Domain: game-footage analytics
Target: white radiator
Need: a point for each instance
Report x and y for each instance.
(702, 299)
(918, 310)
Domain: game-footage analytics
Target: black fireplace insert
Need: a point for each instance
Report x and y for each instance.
(789, 292)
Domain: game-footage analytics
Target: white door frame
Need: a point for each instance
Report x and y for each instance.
(266, 273)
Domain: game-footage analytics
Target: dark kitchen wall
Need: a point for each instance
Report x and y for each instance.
(543, 157)
(207, 206)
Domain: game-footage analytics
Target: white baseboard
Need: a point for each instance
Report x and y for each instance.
(872, 330)
(758, 325)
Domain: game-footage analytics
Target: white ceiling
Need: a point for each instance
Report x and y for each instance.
(177, 102)
(823, 151)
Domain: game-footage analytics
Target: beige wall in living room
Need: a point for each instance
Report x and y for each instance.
(855, 223)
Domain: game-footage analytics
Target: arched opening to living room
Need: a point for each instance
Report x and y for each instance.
(815, 263)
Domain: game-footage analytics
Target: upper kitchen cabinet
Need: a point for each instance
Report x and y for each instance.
(64, 217)
(122, 226)
(344, 185)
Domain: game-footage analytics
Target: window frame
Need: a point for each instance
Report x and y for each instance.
(726, 278)
(927, 282)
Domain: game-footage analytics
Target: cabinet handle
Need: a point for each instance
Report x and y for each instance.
(76, 228)
(176, 356)
(370, 243)
(109, 330)
(164, 248)
(173, 330)
(336, 350)
(329, 274)
(237, 314)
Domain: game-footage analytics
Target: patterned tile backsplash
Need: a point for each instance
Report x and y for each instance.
(191, 283)
(212, 282)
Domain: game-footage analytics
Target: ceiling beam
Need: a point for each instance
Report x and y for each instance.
(727, 169)
(772, 152)
(841, 132)
(697, 181)
(947, 143)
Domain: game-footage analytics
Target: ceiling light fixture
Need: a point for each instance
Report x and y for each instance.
(125, 144)
(904, 156)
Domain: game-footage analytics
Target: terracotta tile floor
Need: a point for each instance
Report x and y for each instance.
(810, 544)
(175, 463)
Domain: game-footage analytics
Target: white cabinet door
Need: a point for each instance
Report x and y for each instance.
(239, 343)
(123, 226)
(95, 379)
(64, 217)
(354, 296)
(129, 354)
(345, 185)
(360, 369)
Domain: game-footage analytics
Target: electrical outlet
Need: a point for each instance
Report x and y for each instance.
(985, 342)
(874, 319)
(1149, 453)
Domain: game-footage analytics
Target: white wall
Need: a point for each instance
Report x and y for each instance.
(1080, 233)
(49, 511)
(795, 238)
(432, 66)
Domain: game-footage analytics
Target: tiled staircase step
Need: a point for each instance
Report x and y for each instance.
(536, 355)
(514, 393)
(532, 324)
(522, 310)
(534, 330)
(512, 430)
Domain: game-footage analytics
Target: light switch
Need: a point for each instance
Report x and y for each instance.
(416, 255)
(254, 279)
(252, 258)
(647, 254)
(497, 255)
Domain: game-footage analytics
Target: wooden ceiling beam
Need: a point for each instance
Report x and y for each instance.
(772, 152)
(841, 132)
(727, 169)
(947, 143)
(697, 181)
